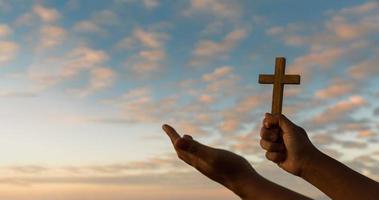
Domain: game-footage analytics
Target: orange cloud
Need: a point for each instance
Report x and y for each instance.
(52, 36)
(8, 51)
(5, 30)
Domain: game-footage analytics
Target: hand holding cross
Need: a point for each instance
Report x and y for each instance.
(278, 79)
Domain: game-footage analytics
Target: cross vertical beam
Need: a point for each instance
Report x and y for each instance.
(278, 79)
(277, 92)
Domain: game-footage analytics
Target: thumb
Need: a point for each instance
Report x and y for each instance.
(285, 124)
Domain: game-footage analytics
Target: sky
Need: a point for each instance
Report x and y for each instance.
(86, 85)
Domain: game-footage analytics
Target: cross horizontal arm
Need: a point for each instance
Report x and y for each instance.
(288, 79)
(291, 79)
(266, 79)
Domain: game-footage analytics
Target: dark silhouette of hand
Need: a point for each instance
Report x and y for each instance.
(286, 144)
(227, 168)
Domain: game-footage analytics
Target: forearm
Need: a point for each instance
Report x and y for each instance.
(337, 180)
(260, 188)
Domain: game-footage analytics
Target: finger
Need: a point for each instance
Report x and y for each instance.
(271, 146)
(270, 134)
(270, 121)
(187, 137)
(193, 147)
(171, 132)
(285, 123)
(275, 157)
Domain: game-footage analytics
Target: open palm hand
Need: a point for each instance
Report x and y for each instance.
(224, 167)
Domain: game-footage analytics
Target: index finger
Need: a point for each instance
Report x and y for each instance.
(270, 121)
(171, 132)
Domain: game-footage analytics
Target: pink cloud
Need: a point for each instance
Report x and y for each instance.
(338, 110)
(365, 68)
(220, 8)
(46, 14)
(336, 88)
(207, 50)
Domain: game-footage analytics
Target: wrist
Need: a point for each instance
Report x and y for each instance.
(313, 157)
(248, 186)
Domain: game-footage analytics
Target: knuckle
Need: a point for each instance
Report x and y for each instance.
(271, 147)
(273, 137)
(262, 132)
(261, 142)
(267, 155)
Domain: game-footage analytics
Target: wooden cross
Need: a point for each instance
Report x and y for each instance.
(278, 79)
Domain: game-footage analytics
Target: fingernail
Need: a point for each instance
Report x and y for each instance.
(167, 127)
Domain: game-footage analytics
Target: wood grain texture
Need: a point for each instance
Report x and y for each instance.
(279, 79)
(277, 92)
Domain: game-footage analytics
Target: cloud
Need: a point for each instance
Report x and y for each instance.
(338, 110)
(138, 106)
(180, 178)
(315, 58)
(46, 14)
(337, 88)
(5, 30)
(228, 9)
(218, 73)
(361, 9)
(105, 17)
(247, 144)
(151, 3)
(17, 94)
(27, 169)
(274, 30)
(219, 84)
(25, 19)
(82, 58)
(97, 23)
(365, 68)
(87, 26)
(208, 50)
(144, 38)
(54, 70)
(145, 62)
(8, 51)
(100, 78)
(344, 34)
(346, 30)
(51, 36)
(148, 51)
(241, 113)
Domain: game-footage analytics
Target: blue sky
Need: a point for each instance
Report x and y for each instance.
(86, 85)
